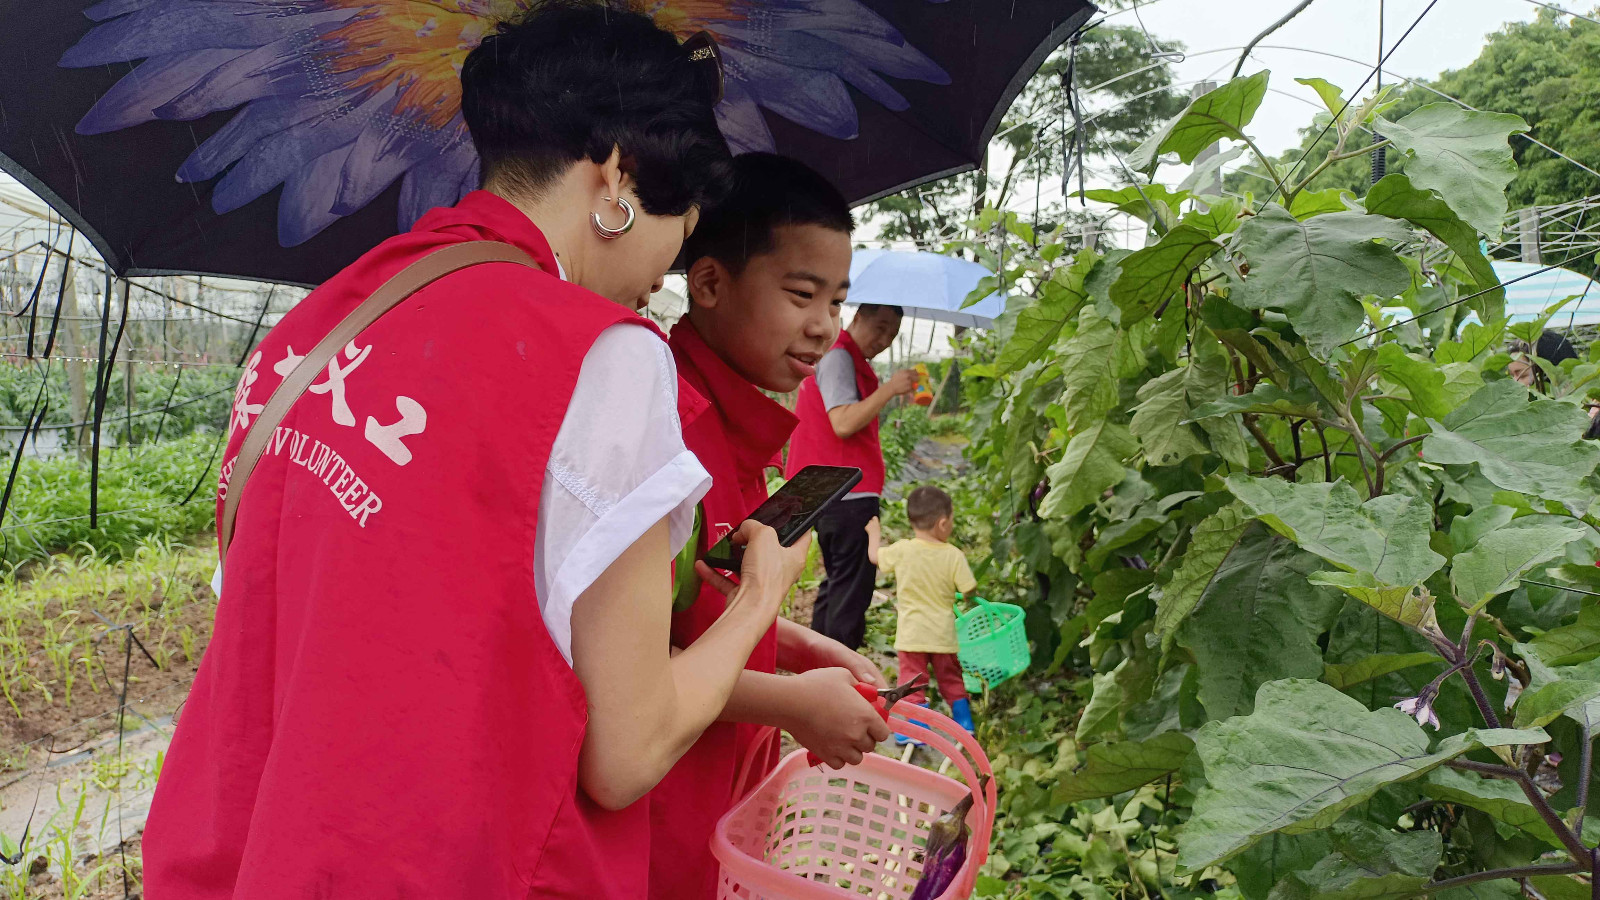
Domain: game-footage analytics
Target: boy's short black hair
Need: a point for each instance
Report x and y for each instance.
(767, 191)
(573, 79)
(874, 308)
(926, 505)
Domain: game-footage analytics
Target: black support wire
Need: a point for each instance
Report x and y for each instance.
(61, 292)
(102, 386)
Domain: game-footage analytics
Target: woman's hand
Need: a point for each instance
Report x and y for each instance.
(830, 719)
(769, 568)
(824, 652)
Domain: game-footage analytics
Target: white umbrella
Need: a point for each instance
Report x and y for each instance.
(927, 285)
(1529, 298)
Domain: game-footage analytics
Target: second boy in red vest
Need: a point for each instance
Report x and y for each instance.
(768, 270)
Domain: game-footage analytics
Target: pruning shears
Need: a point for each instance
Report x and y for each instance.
(881, 700)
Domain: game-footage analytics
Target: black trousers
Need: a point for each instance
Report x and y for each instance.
(846, 589)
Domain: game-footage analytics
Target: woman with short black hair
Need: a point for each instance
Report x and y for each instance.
(441, 661)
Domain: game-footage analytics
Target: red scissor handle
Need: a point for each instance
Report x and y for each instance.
(881, 701)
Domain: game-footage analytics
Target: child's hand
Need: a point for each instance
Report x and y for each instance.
(875, 529)
(831, 720)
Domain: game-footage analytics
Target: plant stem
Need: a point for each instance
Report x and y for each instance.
(1479, 697)
(1405, 443)
(1327, 453)
(1262, 439)
(1530, 790)
(1271, 169)
(1245, 54)
(1332, 158)
(1583, 777)
(1497, 874)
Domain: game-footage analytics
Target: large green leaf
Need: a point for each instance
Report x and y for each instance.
(1153, 204)
(1577, 642)
(1547, 703)
(1316, 203)
(1092, 462)
(1474, 341)
(1088, 370)
(1347, 675)
(1208, 548)
(1463, 154)
(1318, 271)
(1386, 536)
(1277, 855)
(1422, 379)
(1257, 621)
(1159, 417)
(1105, 704)
(1467, 530)
(1166, 404)
(1216, 220)
(1266, 399)
(1410, 606)
(1559, 690)
(1154, 275)
(1040, 323)
(1120, 534)
(1329, 93)
(1306, 755)
(1222, 113)
(1552, 887)
(1113, 768)
(1500, 800)
(1396, 197)
(1499, 559)
(1532, 448)
(1368, 863)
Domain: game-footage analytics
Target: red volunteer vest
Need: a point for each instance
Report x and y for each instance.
(381, 712)
(815, 442)
(737, 432)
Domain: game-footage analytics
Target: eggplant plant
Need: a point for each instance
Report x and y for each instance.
(1331, 570)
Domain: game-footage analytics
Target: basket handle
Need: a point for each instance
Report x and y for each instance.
(985, 802)
(975, 599)
(767, 737)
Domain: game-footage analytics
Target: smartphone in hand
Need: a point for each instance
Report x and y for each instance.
(791, 511)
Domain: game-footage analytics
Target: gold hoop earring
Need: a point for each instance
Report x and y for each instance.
(612, 234)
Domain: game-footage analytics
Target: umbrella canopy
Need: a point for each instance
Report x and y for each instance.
(280, 139)
(926, 285)
(1528, 299)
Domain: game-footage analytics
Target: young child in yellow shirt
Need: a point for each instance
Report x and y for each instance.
(928, 571)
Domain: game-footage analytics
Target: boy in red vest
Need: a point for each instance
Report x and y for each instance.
(768, 269)
(838, 410)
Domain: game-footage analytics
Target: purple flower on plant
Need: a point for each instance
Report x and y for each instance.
(1420, 707)
(336, 100)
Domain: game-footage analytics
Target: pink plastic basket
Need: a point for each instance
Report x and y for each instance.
(809, 833)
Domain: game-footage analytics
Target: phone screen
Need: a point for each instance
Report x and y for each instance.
(793, 508)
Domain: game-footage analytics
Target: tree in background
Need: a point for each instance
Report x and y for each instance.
(1033, 139)
(1546, 71)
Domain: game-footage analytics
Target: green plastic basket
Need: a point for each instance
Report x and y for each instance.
(993, 643)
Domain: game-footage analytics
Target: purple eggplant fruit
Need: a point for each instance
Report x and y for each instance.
(946, 851)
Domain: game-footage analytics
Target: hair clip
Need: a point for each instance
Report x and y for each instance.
(707, 57)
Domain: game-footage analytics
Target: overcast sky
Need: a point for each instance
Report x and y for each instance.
(1448, 37)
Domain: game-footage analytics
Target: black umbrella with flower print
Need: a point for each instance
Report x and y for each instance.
(279, 139)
